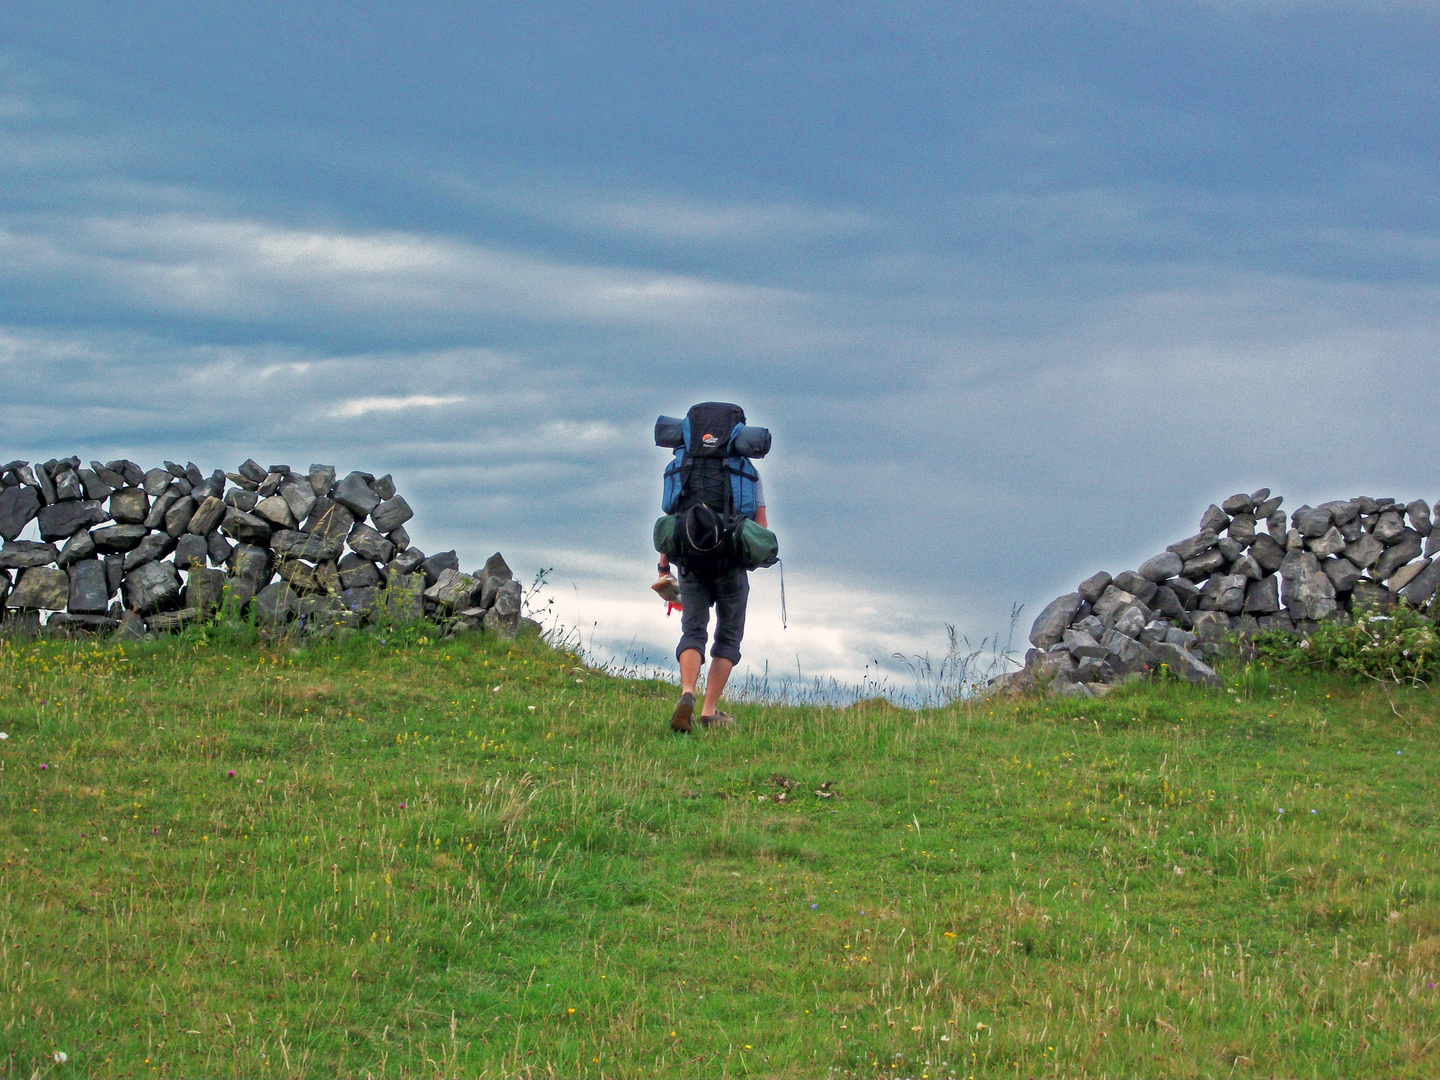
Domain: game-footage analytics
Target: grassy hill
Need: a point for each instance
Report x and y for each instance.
(409, 858)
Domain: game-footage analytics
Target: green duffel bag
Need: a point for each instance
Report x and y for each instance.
(667, 535)
(756, 547)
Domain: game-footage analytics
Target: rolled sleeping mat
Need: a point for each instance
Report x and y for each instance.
(670, 432)
(751, 442)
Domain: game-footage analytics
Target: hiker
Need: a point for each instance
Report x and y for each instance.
(715, 531)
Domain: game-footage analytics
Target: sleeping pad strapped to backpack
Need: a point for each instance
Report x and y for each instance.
(710, 498)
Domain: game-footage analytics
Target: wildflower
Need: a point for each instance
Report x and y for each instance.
(155, 831)
(44, 766)
(231, 773)
(60, 1057)
(4, 735)
(402, 806)
(814, 906)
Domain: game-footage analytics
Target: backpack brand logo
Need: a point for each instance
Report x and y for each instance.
(710, 440)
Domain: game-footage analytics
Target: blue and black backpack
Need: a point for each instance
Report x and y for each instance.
(709, 496)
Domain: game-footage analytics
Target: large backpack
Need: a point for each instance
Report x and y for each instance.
(710, 490)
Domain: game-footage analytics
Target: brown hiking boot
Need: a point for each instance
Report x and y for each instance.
(684, 709)
(720, 719)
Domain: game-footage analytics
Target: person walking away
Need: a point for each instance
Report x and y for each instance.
(712, 490)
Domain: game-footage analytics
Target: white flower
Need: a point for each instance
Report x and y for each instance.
(4, 735)
(60, 1057)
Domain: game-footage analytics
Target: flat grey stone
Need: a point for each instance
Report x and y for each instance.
(1343, 574)
(1238, 504)
(1351, 530)
(207, 517)
(1213, 627)
(1275, 524)
(152, 587)
(251, 470)
(1242, 530)
(355, 495)
(1389, 529)
(299, 496)
(1248, 567)
(250, 562)
(1408, 546)
(155, 546)
(384, 486)
(219, 548)
(64, 519)
(1225, 593)
(1419, 514)
(80, 546)
(330, 520)
(1332, 543)
(1421, 587)
(1214, 519)
(1167, 602)
(504, 617)
(1080, 645)
(1185, 664)
(40, 588)
(1132, 620)
(369, 544)
(1305, 589)
(1133, 583)
(444, 560)
(94, 488)
(271, 484)
(156, 481)
(391, 514)
(1365, 551)
(191, 551)
(18, 507)
(1183, 638)
(21, 554)
(1093, 586)
(453, 589)
(1397, 581)
(404, 562)
(246, 528)
(1366, 503)
(204, 589)
(399, 537)
(496, 573)
(312, 548)
(161, 505)
(1192, 546)
(276, 510)
(177, 518)
(1112, 601)
(1263, 597)
(1127, 654)
(321, 578)
(358, 573)
(322, 479)
(1229, 549)
(1204, 564)
(361, 599)
(68, 486)
(1265, 507)
(1294, 541)
(89, 592)
(1313, 523)
(129, 506)
(244, 501)
(1159, 567)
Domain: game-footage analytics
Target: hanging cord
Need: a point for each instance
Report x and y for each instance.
(784, 623)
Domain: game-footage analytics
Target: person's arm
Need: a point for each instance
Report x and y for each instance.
(760, 517)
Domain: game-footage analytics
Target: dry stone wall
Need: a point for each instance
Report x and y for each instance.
(123, 549)
(1249, 568)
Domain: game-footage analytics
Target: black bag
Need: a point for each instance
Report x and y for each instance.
(706, 527)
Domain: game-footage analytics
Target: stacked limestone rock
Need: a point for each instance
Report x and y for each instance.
(1180, 607)
(172, 544)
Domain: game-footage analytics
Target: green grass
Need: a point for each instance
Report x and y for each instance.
(471, 859)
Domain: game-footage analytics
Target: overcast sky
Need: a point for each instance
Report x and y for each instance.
(1019, 287)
